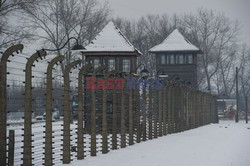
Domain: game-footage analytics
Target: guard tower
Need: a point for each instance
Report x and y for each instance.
(177, 58)
(111, 48)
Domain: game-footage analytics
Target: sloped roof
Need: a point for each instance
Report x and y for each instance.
(110, 39)
(174, 42)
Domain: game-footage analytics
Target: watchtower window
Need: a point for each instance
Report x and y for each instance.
(172, 59)
(96, 63)
(190, 59)
(126, 65)
(111, 64)
(163, 59)
(181, 59)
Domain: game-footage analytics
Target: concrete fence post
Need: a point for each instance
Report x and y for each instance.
(144, 104)
(150, 114)
(114, 120)
(80, 112)
(123, 119)
(48, 125)
(155, 113)
(27, 149)
(93, 113)
(160, 92)
(3, 103)
(104, 114)
(11, 150)
(138, 113)
(170, 108)
(67, 113)
(131, 117)
(164, 108)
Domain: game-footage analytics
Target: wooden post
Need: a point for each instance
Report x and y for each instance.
(11, 150)
(3, 103)
(48, 125)
(27, 149)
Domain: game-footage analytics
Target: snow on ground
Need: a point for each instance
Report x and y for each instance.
(224, 144)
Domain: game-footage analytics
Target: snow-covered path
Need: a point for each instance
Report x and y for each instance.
(224, 144)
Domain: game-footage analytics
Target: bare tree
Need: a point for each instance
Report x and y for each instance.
(244, 71)
(214, 34)
(12, 33)
(55, 21)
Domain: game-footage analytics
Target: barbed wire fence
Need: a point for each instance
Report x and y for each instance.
(108, 119)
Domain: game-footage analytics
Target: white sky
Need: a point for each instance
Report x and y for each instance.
(234, 9)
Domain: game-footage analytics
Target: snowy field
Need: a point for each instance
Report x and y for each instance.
(224, 144)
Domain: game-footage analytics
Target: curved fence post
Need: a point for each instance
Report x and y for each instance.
(138, 113)
(144, 104)
(3, 104)
(80, 112)
(123, 119)
(170, 122)
(67, 113)
(164, 108)
(27, 149)
(104, 114)
(131, 117)
(48, 124)
(160, 94)
(150, 113)
(114, 119)
(93, 113)
(156, 107)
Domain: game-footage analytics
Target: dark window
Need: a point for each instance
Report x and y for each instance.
(96, 63)
(190, 59)
(126, 65)
(163, 59)
(111, 64)
(167, 59)
(171, 59)
(181, 59)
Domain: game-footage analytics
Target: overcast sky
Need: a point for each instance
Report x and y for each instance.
(234, 9)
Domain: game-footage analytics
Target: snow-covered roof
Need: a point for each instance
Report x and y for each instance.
(110, 39)
(174, 42)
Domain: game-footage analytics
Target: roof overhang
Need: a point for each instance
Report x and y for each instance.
(111, 53)
(176, 51)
